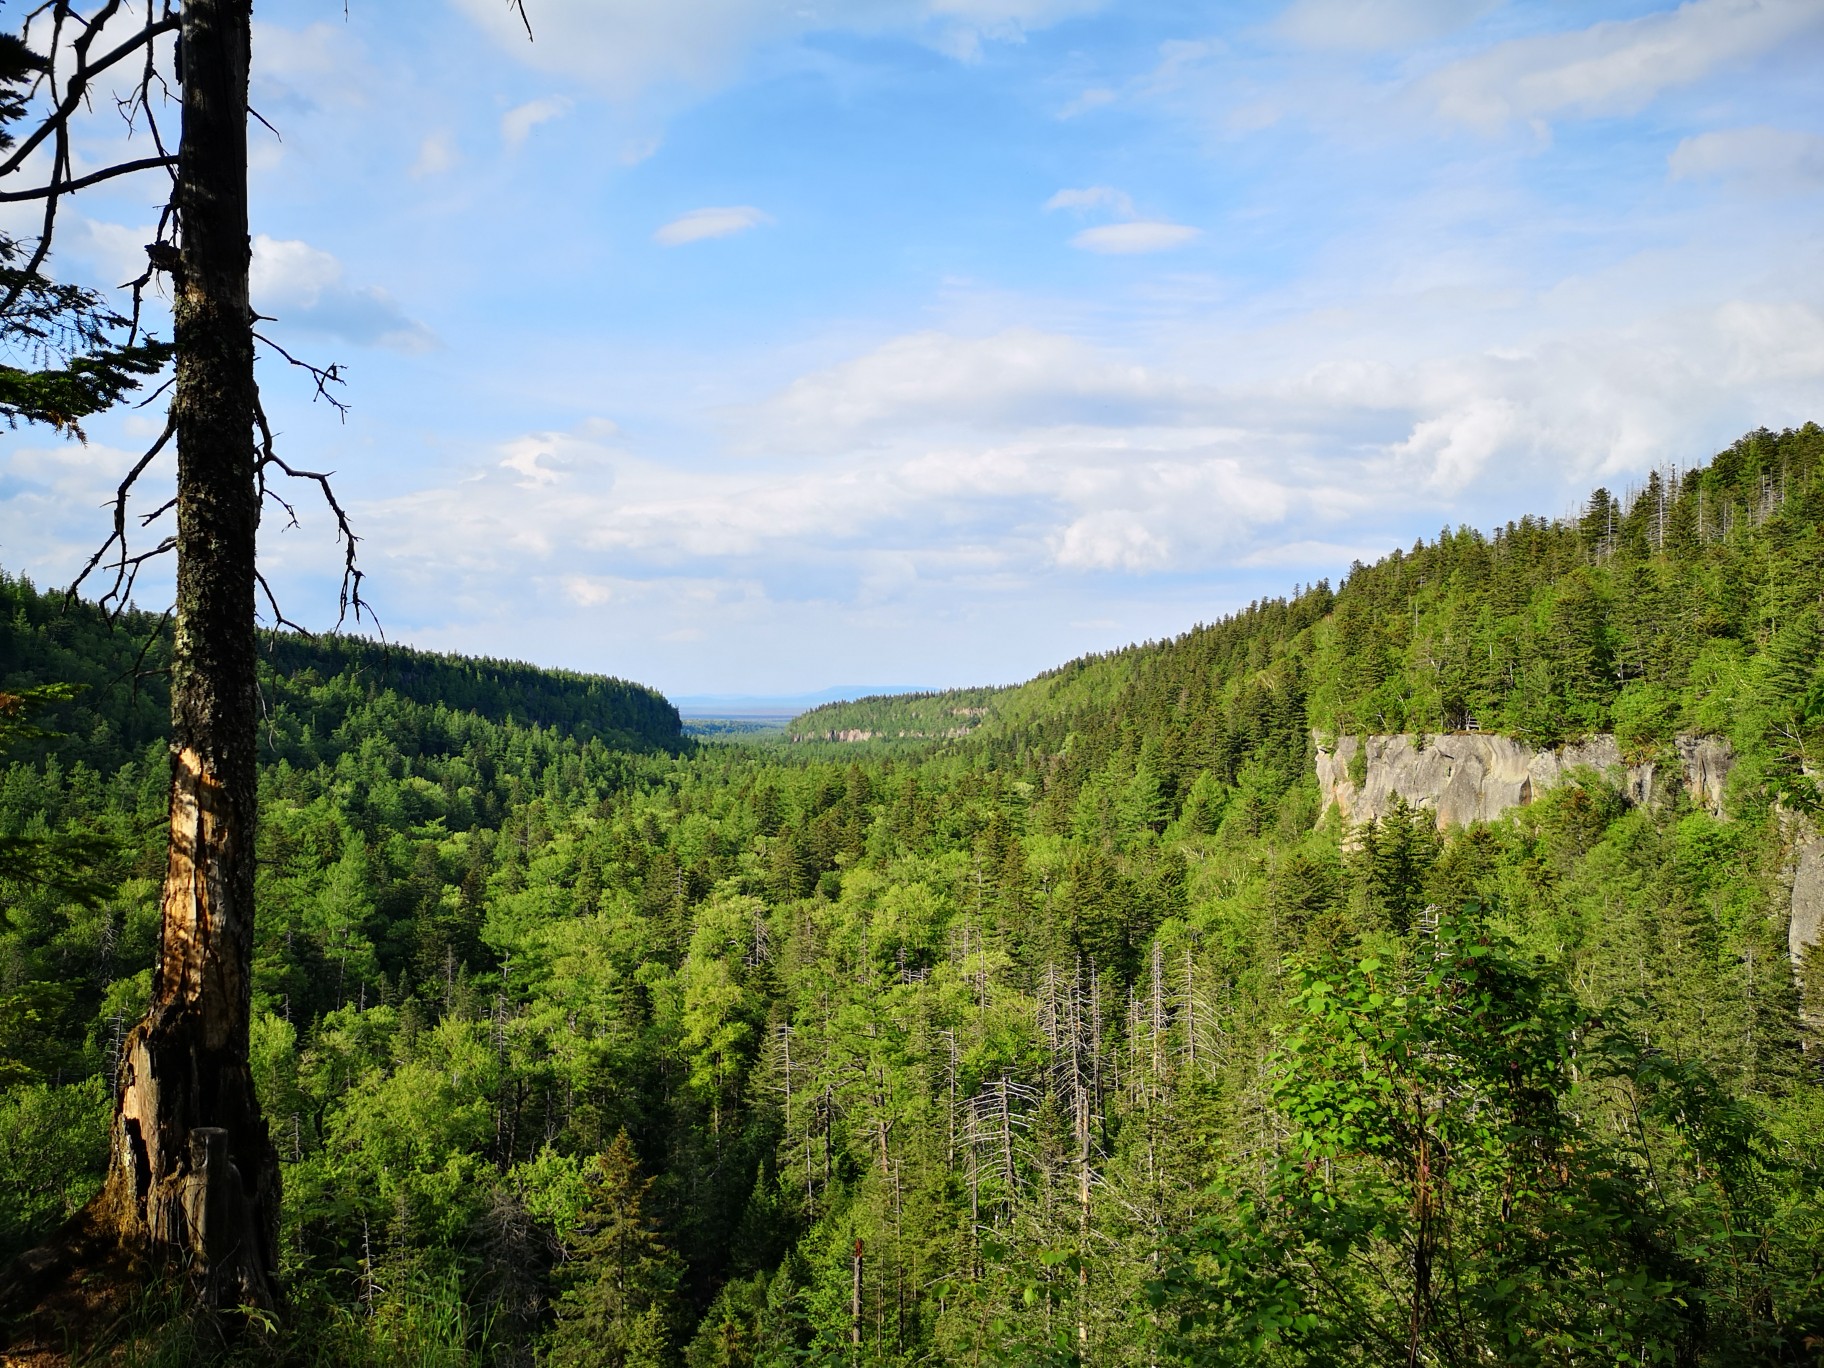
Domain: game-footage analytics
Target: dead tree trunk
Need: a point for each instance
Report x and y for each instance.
(192, 1170)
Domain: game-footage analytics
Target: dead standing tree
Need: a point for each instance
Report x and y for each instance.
(191, 1166)
(192, 1173)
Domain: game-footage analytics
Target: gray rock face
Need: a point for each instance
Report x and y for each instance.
(1477, 777)
(1707, 761)
(1807, 892)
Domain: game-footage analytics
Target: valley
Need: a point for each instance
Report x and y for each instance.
(1424, 958)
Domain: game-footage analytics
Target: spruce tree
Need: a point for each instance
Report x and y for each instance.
(616, 1310)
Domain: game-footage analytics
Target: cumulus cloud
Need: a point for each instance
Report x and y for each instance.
(306, 287)
(625, 48)
(1617, 66)
(1093, 197)
(1052, 497)
(516, 124)
(1767, 158)
(1015, 376)
(1129, 239)
(963, 473)
(1375, 25)
(540, 461)
(714, 222)
(1111, 541)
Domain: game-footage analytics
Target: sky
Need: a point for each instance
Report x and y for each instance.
(750, 347)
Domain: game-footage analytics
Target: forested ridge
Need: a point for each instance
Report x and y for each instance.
(1082, 1036)
(1694, 608)
(312, 688)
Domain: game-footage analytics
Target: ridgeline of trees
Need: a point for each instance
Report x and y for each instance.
(316, 691)
(1084, 1037)
(1693, 608)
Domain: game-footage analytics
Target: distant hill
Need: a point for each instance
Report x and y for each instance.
(785, 706)
(125, 704)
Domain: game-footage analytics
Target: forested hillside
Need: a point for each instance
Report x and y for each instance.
(316, 691)
(1084, 1036)
(1692, 609)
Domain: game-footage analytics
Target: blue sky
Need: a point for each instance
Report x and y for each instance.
(738, 346)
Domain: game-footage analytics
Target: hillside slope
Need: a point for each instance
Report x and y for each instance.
(1691, 609)
(312, 687)
(1087, 1036)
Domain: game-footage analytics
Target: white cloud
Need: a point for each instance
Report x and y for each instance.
(626, 48)
(1127, 239)
(516, 124)
(1374, 25)
(1453, 448)
(116, 252)
(960, 474)
(295, 71)
(436, 154)
(714, 222)
(1019, 375)
(1614, 67)
(1111, 541)
(305, 287)
(1093, 197)
(1767, 158)
(590, 591)
(1048, 497)
(1096, 97)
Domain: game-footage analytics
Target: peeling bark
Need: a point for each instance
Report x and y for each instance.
(192, 1171)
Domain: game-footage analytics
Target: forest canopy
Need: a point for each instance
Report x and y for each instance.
(1066, 1027)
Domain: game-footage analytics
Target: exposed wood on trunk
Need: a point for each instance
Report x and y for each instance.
(192, 1170)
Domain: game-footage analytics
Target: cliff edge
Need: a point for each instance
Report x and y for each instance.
(1478, 776)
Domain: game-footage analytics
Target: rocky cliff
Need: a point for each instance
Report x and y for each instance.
(1476, 777)
(1807, 891)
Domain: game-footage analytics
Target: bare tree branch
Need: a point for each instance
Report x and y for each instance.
(147, 519)
(323, 376)
(66, 79)
(350, 599)
(83, 182)
(119, 535)
(80, 78)
(278, 617)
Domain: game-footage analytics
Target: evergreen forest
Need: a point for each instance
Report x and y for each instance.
(1055, 1024)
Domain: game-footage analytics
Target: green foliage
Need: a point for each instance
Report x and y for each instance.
(617, 1309)
(48, 1167)
(74, 361)
(1440, 1191)
(578, 1040)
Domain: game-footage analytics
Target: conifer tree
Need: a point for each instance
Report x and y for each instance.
(617, 1309)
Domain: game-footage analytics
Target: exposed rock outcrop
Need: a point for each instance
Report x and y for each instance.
(1807, 891)
(859, 734)
(1707, 761)
(1476, 777)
